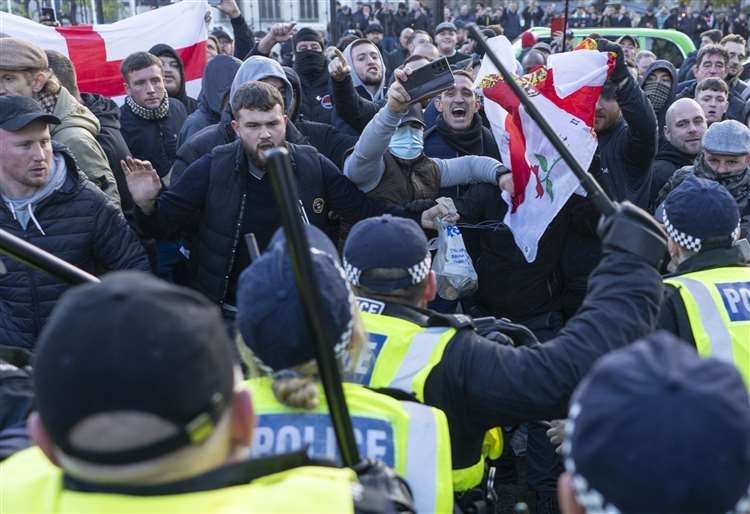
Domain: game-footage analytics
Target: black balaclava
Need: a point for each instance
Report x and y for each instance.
(309, 64)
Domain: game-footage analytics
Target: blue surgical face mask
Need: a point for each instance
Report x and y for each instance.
(406, 142)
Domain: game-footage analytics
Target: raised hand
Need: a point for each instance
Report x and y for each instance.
(338, 69)
(143, 182)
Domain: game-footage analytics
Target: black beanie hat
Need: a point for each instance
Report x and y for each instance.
(308, 34)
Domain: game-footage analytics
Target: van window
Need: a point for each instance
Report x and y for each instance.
(665, 49)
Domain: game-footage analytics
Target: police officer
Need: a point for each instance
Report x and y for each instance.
(407, 436)
(140, 410)
(707, 300)
(654, 429)
(479, 383)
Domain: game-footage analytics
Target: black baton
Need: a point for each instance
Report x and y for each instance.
(41, 260)
(285, 191)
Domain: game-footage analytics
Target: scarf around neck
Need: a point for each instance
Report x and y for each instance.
(737, 184)
(146, 113)
(467, 141)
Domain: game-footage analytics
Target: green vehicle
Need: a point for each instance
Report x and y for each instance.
(667, 44)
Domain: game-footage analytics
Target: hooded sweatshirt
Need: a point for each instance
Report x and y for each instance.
(217, 79)
(653, 92)
(370, 92)
(161, 49)
(257, 68)
(22, 209)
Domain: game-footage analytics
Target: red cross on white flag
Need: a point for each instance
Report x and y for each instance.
(98, 50)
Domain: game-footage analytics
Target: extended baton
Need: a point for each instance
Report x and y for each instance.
(285, 191)
(590, 185)
(41, 260)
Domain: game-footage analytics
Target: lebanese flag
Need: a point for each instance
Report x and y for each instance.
(565, 93)
(98, 50)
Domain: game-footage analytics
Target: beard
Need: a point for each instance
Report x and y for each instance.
(370, 80)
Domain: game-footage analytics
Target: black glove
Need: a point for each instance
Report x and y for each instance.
(620, 72)
(632, 230)
(379, 478)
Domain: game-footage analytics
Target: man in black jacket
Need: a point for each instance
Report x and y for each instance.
(150, 123)
(311, 65)
(625, 124)
(47, 201)
(227, 194)
(150, 119)
(683, 140)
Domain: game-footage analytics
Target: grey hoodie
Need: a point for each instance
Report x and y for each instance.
(258, 68)
(356, 81)
(22, 209)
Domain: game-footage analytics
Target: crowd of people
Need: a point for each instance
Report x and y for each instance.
(608, 375)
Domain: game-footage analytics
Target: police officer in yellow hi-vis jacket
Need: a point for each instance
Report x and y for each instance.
(289, 404)
(141, 410)
(479, 383)
(707, 301)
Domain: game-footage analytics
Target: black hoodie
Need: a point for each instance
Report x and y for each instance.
(217, 79)
(667, 66)
(112, 142)
(161, 49)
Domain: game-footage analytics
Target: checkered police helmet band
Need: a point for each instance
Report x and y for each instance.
(418, 272)
(685, 241)
(592, 500)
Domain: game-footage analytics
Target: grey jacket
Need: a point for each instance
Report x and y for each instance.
(365, 166)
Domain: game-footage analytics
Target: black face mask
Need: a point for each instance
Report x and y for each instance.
(309, 63)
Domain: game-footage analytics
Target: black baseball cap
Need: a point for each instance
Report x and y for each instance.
(18, 111)
(135, 344)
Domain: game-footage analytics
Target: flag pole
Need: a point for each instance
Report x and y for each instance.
(565, 26)
(595, 192)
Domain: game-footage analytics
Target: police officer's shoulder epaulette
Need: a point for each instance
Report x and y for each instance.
(457, 321)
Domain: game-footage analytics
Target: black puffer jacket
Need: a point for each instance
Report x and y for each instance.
(80, 226)
(111, 140)
(153, 140)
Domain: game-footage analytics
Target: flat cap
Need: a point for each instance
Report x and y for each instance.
(446, 25)
(727, 137)
(18, 55)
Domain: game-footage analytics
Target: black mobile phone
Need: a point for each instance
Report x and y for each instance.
(47, 14)
(429, 80)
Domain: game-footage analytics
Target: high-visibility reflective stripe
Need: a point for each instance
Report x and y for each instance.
(466, 478)
(418, 357)
(713, 324)
(422, 455)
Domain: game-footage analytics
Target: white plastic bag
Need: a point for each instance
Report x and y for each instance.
(456, 276)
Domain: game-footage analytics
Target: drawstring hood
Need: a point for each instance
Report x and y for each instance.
(22, 209)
